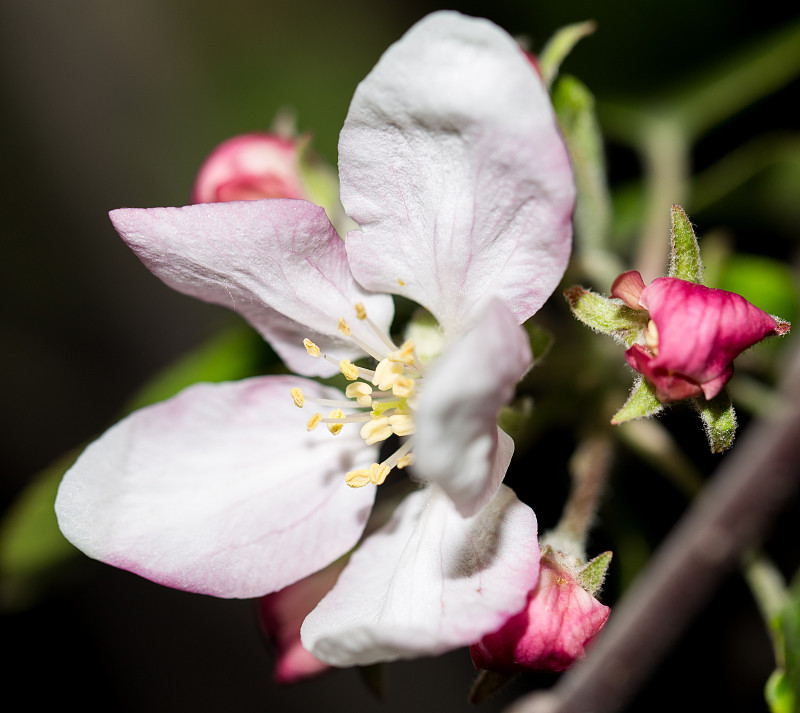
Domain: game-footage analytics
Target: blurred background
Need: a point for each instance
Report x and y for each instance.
(110, 104)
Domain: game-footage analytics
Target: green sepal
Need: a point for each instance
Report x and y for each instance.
(559, 46)
(592, 575)
(719, 420)
(642, 403)
(684, 261)
(577, 118)
(606, 315)
(541, 340)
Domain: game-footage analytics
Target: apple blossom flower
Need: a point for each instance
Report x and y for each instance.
(451, 165)
(693, 335)
(551, 632)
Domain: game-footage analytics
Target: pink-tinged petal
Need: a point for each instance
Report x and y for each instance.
(457, 444)
(278, 263)
(701, 330)
(220, 490)
(552, 632)
(669, 385)
(250, 167)
(451, 163)
(281, 615)
(428, 581)
(628, 287)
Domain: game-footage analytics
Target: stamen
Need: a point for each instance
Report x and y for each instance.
(297, 397)
(405, 461)
(651, 337)
(405, 354)
(344, 328)
(402, 424)
(311, 348)
(335, 428)
(313, 421)
(361, 311)
(386, 374)
(361, 392)
(376, 430)
(404, 387)
(349, 370)
(357, 478)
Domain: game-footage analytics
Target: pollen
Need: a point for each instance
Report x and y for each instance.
(357, 478)
(402, 424)
(387, 374)
(297, 397)
(405, 354)
(349, 370)
(313, 421)
(335, 428)
(311, 348)
(344, 328)
(361, 311)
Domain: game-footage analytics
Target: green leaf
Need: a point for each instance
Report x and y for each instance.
(606, 315)
(685, 252)
(783, 688)
(640, 404)
(779, 694)
(719, 420)
(31, 545)
(767, 283)
(234, 354)
(575, 109)
(559, 46)
(592, 575)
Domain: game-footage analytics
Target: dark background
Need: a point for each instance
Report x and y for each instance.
(116, 104)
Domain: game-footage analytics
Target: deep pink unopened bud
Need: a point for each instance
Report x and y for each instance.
(250, 167)
(553, 630)
(694, 334)
(281, 615)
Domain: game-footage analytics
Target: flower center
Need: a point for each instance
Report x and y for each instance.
(381, 400)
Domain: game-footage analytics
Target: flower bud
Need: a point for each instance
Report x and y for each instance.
(281, 614)
(693, 336)
(249, 167)
(554, 629)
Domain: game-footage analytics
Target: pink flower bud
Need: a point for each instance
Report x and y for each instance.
(281, 615)
(694, 334)
(249, 167)
(553, 630)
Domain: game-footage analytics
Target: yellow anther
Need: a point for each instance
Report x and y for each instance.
(361, 311)
(378, 473)
(313, 421)
(344, 328)
(405, 461)
(386, 374)
(311, 348)
(357, 478)
(402, 424)
(375, 474)
(350, 372)
(376, 430)
(335, 428)
(651, 337)
(405, 354)
(404, 387)
(297, 397)
(359, 391)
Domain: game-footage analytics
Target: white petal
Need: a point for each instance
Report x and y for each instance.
(279, 263)
(451, 162)
(427, 582)
(457, 443)
(220, 490)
